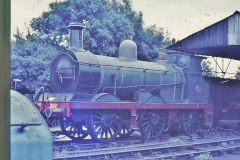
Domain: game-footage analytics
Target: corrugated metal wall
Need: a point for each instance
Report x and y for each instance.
(234, 30)
(220, 39)
(212, 36)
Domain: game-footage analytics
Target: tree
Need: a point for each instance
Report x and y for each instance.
(149, 40)
(30, 62)
(207, 70)
(19, 36)
(238, 73)
(108, 24)
(106, 29)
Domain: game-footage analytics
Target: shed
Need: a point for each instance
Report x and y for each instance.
(221, 39)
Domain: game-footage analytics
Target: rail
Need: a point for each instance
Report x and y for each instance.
(155, 148)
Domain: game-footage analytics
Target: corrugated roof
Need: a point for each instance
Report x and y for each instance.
(221, 39)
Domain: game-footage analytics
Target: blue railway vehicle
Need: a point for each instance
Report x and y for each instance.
(30, 136)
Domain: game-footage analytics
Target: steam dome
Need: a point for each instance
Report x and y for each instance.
(128, 50)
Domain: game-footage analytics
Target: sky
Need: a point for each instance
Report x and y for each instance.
(180, 18)
(184, 17)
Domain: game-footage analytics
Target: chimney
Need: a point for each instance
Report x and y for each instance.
(76, 35)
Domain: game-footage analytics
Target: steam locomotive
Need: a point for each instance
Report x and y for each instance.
(107, 97)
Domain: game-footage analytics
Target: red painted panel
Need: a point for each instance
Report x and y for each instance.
(207, 108)
(132, 105)
(55, 105)
(133, 123)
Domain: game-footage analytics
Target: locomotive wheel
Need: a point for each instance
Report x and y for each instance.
(190, 122)
(152, 123)
(53, 121)
(103, 126)
(125, 132)
(74, 130)
(125, 126)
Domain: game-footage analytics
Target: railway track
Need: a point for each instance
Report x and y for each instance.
(148, 150)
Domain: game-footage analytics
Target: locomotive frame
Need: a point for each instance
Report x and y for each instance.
(132, 111)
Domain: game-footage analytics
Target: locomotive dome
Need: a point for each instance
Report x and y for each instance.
(128, 50)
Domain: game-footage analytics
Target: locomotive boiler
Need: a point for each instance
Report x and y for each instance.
(78, 71)
(108, 97)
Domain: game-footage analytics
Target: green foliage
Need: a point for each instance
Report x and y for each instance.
(108, 24)
(207, 70)
(148, 40)
(238, 74)
(30, 63)
(105, 30)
